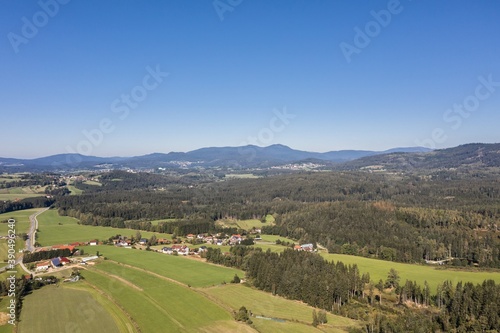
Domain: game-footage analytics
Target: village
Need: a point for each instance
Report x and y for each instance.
(190, 245)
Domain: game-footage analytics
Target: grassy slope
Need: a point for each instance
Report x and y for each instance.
(184, 270)
(64, 310)
(264, 304)
(70, 231)
(159, 305)
(21, 226)
(378, 269)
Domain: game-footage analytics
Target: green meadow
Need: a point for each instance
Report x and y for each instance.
(74, 190)
(157, 305)
(21, 217)
(269, 306)
(187, 271)
(247, 224)
(56, 229)
(378, 269)
(17, 193)
(64, 309)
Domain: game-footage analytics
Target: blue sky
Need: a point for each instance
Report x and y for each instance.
(315, 75)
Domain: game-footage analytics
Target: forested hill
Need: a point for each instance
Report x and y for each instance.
(467, 157)
(405, 218)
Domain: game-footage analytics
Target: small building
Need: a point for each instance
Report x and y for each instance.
(84, 260)
(65, 261)
(307, 247)
(56, 262)
(143, 241)
(42, 266)
(93, 242)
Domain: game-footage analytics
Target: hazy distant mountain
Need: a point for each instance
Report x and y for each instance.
(474, 155)
(236, 157)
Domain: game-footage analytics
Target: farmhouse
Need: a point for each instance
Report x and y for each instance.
(42, 266)
(307, 247)
(93, 242)
(190, 236)
(143, 241)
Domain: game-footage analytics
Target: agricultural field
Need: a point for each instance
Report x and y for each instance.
(187, 271)
(18, 193)
(158, 305)
(75, 310)
(21, 226)
(56, 229)
(92, 182)
(21, 217)
(247, 224)
(74, 190)
(297, 316)
(4, 326)
(378, 269)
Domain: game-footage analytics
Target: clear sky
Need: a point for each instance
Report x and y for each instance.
(319, 75)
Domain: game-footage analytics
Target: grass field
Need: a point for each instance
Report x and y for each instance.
(21, 226)
(56, 229)
(4, 326)
(158, 305)
(247, 224)
(64, 309)
(378, 269)
(266, 305)
(184, 270)
(74, 190)
(92, 182)
(17, 193)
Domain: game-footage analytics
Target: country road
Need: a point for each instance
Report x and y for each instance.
(30, 241)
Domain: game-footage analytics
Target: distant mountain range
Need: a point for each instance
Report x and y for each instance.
(476, 155)
(227, 157)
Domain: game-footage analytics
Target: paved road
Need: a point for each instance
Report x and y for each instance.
(30, 242)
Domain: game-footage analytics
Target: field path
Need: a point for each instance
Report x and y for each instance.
(149, 272)
(111, 299)
(122, 280)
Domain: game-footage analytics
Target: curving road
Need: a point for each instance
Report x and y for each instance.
(30, 242)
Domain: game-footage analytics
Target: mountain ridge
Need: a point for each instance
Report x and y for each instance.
(252, 156)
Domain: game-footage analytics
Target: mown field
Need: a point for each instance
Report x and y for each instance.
(4, 326)
(21, 217)
(15, 193)
(187, 271)
(158, 305)
(56, 229)
(21, 226)
(298, 315)
(65, 309)
(378, 269)
(247, 224)
(74, 190)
